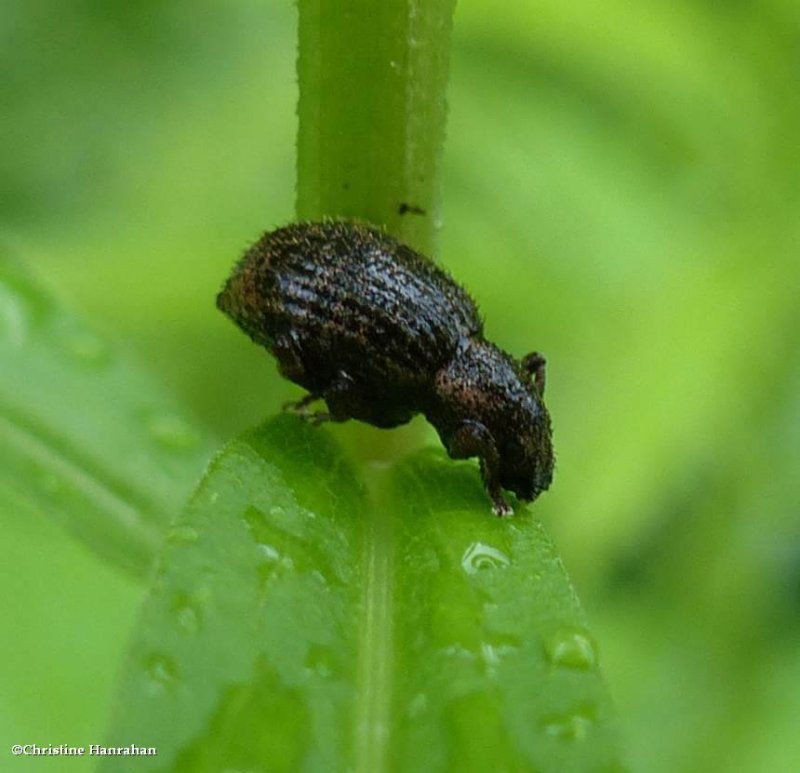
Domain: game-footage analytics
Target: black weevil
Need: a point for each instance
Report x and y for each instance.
(381, 333)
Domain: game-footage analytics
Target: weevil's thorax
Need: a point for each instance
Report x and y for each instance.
(482, 383)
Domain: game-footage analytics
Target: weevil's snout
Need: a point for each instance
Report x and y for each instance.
(528, 489)
(527, 466)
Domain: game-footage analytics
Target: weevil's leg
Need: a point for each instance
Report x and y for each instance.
(534, 364)
(320, 417)
(300, 406)
(339, 395)
(291, 366)
(473, 439)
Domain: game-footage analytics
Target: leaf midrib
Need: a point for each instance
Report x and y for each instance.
(375, 648)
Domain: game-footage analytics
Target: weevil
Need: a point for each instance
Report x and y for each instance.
(381, 333)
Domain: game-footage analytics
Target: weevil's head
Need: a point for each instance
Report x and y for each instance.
(485, 385)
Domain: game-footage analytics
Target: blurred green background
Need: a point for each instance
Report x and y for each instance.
(621, 192)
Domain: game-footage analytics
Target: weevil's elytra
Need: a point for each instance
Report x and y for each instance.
(381, 333)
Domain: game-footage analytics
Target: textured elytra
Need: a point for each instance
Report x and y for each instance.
(381, 333)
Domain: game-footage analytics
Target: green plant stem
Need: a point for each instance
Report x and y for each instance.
(372, 112)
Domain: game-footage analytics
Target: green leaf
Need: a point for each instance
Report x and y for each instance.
(295, 624)
(84, 436)
(495, 667)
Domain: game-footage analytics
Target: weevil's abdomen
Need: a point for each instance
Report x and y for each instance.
(333, 297)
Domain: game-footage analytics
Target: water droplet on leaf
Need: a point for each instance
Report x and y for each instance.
(573, 726)
(479, 557)
(571, 648)
(320, 660)
(188, 619)
(187, 613)
(161, 670)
